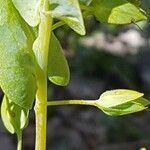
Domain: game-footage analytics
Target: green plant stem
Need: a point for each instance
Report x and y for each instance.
(71, 102)
(45, 29)
(19, 138)
(57, 25)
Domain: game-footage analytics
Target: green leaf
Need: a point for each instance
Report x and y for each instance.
(69, 12)
(127, 108)
(29, 10)
(142, 101)
(6, 116)
(116, 11)
(17, 63)
(58, 69)
(124, 110)
(14, 117)
(117, 97)
(121, 102)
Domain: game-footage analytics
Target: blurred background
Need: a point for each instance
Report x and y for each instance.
(108, 57)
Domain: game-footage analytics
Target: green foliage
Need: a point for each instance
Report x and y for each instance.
(17, 63)
(29, 10)
(117, 97)
(14, 117)
(58, 69)
(117, 12)
(22, 69)
(122, 102)
(69, 12)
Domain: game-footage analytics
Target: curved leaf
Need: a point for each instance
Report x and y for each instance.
(137, 105)
(6, 116)
(128, 109)
(29, 10)
(58, 69)
(116, 11)
(17, 63)
(117, 97)
(14, 117)
(69, 12)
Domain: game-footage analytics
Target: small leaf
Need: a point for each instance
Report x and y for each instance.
(124, 110)
(58, 69)
(69, 12)
(29, 10)
(116, 12)
(142, 101)
(125, 105)
(17, 63)
(15, 118)
(117, 97)
(6, 116)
